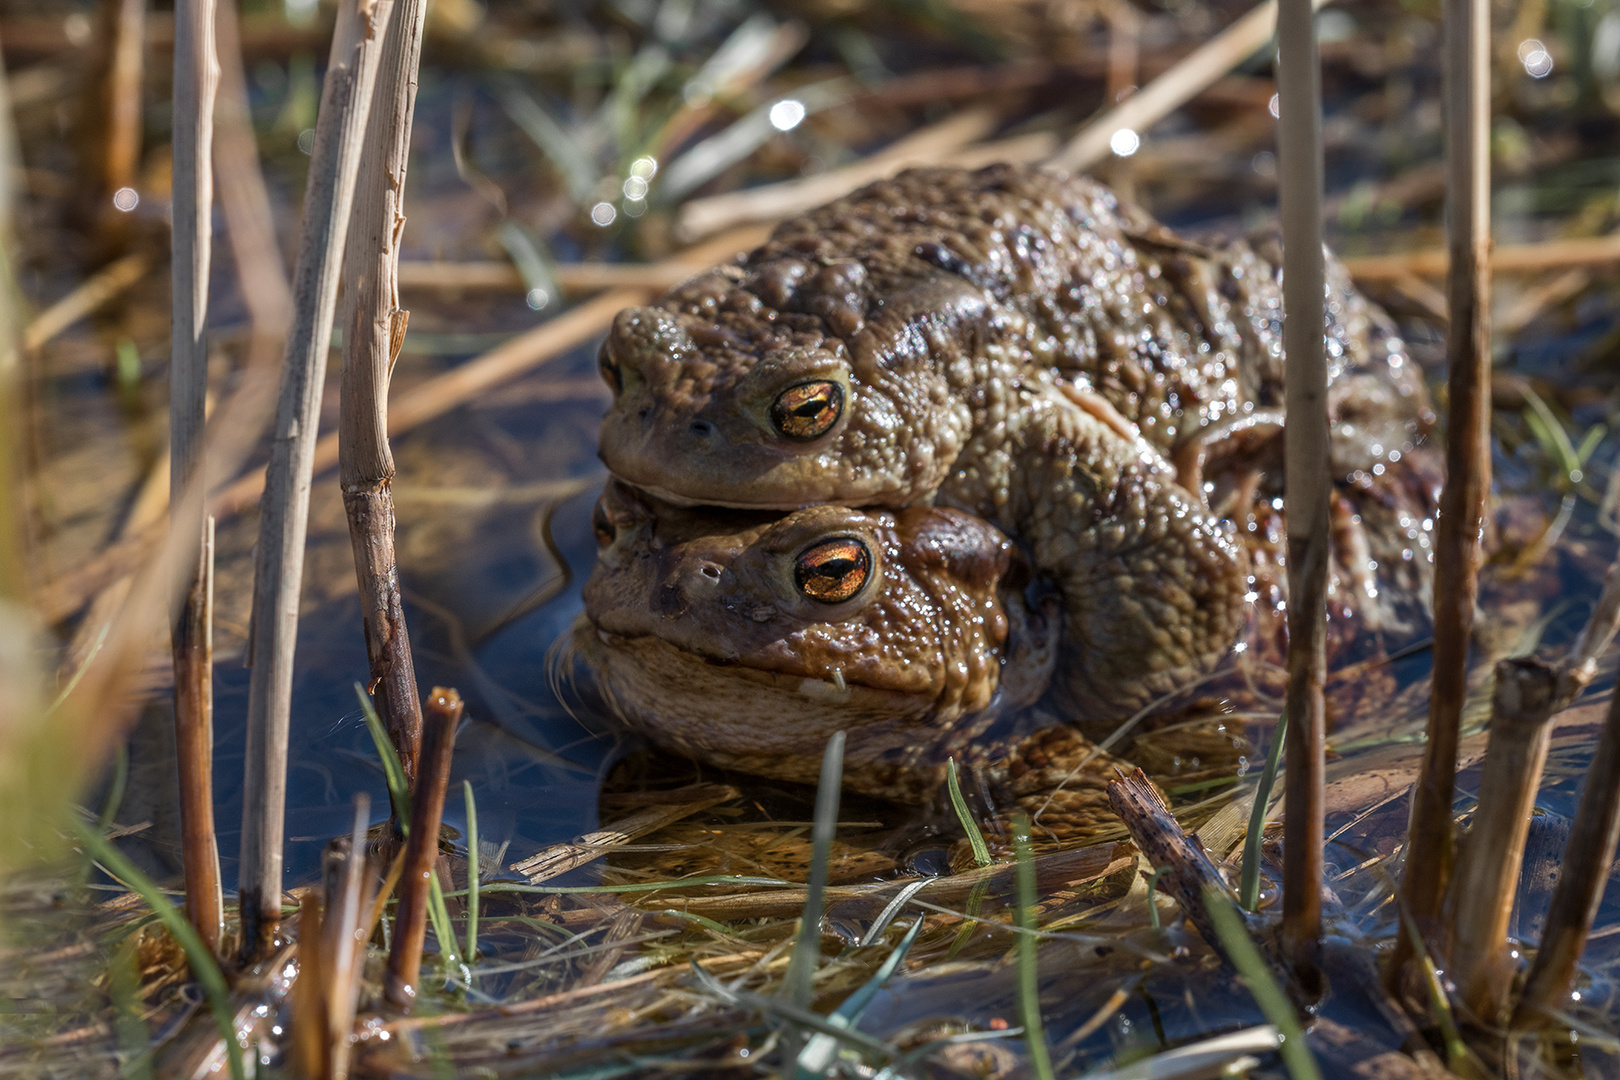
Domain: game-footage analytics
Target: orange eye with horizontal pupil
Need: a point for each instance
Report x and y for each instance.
(833, 571)
(808, 410)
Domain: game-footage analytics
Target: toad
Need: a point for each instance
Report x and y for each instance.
(1023, 346)
(746, 639)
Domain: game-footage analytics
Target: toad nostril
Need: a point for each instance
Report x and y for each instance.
(643, 413)
(702, 428)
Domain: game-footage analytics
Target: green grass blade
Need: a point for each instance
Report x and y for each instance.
(398, 793)
(1273, 1002)
(981, 850)
(1152, 885)
(203, 965)
(1029, 990)
(474, 869)
(798, 984)
(449, 954)
(1249, 883)
(821, 1051)
(890, 910)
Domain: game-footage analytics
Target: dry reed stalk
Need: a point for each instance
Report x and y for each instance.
(1527, 695)
(191, 629)
(350, 883)
(1307, 486)
(374, 330)
(1583, 874)
(99, 288)
(1511, 258)
(283, 524)
(422, 846)
(1457, 553)
(1481, 894)
(306, 1042)
(1173, 89)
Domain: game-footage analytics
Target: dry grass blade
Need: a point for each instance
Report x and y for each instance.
(1167, 93)
(1308, 489)
(676, 805)
(99, 288)
(1468, 463)
(1510, 258)
(374, 331)
(348, 900)
(279, 557)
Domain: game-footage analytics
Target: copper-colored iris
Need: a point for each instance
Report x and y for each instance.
(834, 570)
(808, 410)
(602, 524)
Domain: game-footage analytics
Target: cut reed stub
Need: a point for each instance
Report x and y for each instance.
(441, 716)
(1527, 694)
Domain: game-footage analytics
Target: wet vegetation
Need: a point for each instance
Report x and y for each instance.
(598, 910)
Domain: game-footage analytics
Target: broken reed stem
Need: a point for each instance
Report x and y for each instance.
(374, 330)
(1170, 91)
(422, 846)
(279, 558)
(1583, 874)
(1189, 870)
(196, 77)
(1308, 489)
(1457, 553)
(1526, 696)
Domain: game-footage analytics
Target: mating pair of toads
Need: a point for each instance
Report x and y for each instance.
(963, 442)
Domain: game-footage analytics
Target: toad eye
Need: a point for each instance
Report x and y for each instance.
(808, 410)
(602, 525)
(834, 570)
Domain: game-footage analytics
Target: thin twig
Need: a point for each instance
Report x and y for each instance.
(422, 846)
(279, 557)
(1468, 464)
(122, 156)
(1308, 490)
(374, 330)
(1177, 86)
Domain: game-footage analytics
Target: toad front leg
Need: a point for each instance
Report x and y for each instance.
(1152, 583)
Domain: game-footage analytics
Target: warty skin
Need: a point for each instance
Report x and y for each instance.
(1022, 346)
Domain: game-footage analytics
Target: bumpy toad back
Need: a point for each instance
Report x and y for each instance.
(1019, 345)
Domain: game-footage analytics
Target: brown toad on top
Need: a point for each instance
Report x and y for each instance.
(1019, 345)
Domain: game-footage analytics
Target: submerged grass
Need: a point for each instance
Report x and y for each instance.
(1029, 990)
